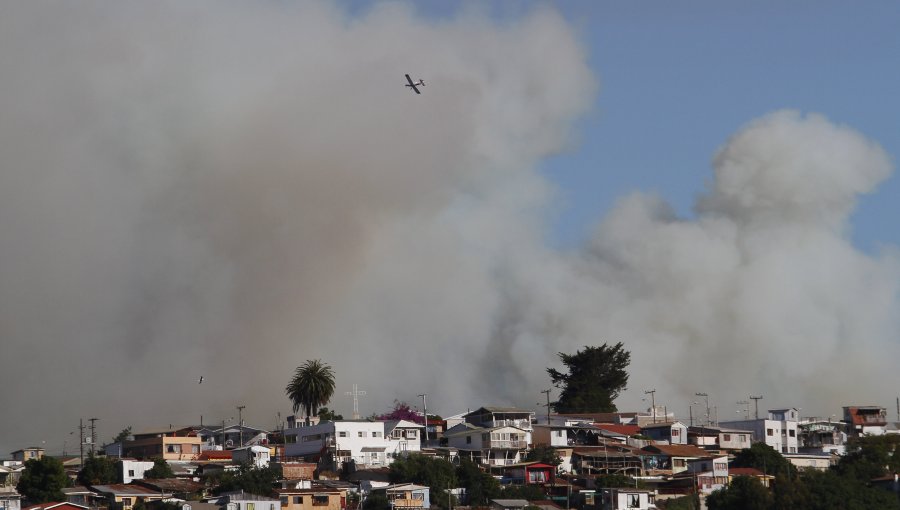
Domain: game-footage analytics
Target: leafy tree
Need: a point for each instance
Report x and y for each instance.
(764, 458)
(618, 480)
(480, 487)
(438, 474)
(98, 470)
(828, 490)
(596, 376)
(123, 435)
(401, 411)
(689, 502)
(526, 492)
(870, 457)
(326, 414)
(377, 501)
(545, 454)
(311, 387)
(247, 478)
(160, 469)
(744, 493)
(43, 480)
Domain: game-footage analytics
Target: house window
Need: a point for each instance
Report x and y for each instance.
(320, 500)
(559, 433)
(485, 437)
(284, 501)
(396, 434)
(362, 433)
(342, 434)
(468, 439)
(251, 506)
(298, 500)
(376, 434)
(290, 438)
(792, 433)
(173, 448)
(126, 501)
(634, 501)
(743, 438)
(412, 434)
(678, 462)
(131, 472)
(195, 448)
(726, 437)
(770, 432)
(418, 496)
(676, 432)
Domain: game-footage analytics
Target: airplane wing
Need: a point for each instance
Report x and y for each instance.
(411, 84)
(416, 89)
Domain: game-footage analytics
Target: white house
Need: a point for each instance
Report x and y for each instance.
(630, 498)
(778, 430)
(493, 436)
(257, 456)
(132, 469)
(671, 432)
(368, 443)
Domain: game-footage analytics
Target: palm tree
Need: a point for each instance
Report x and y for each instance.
(311, 387)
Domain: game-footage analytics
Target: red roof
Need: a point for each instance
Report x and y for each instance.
(628, 430)
(56, 506)
(744, 471)
(215, 455)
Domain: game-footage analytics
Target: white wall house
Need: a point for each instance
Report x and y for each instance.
(779, 430)
(257, 456)
(493, 436)
(131, 469)
(672, 432)
(369, 443)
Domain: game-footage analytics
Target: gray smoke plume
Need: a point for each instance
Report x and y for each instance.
(226, 189)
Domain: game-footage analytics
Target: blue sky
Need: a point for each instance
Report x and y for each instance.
(678, 78)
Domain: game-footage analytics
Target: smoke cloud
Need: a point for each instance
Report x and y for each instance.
(228, 190)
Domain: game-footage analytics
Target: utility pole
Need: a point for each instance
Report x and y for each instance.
(652, 402)
(241, 423)
(81, 440)
(547, 392)
(355, 394)
(93, 434)
(746, 404)
(425, 412)
(756, 405)
(706, 396)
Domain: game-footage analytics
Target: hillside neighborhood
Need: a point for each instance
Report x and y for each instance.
(537, 460)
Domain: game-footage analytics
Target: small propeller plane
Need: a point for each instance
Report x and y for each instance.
(415, 85)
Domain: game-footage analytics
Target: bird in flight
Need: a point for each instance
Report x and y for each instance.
(415, 85)
(201, 380)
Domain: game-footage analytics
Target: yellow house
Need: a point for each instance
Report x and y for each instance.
(169, 444)
(312, 499)
(28, 454)
(125, 496)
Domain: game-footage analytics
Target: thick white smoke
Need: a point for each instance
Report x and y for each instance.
(230, 189)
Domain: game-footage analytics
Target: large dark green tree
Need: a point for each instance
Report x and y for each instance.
(480, 487)
(545, 454)
(255, 480)
(43, 480)
(311, 387)
(438, 474)
(160, 469)
(744, 493)
(764, 458)
(98, 470)
(595, 377)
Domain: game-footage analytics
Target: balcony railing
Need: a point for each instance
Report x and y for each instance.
(499, 444)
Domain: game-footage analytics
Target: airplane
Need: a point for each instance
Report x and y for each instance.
(414, 85)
